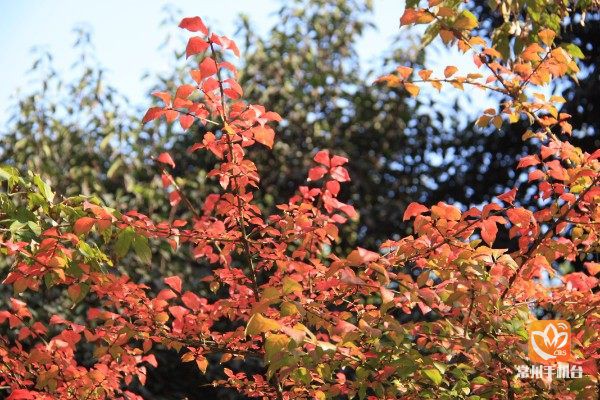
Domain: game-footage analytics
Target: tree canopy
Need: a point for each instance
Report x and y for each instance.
(225, 230)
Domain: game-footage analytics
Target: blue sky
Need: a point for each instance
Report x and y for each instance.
(126, 34)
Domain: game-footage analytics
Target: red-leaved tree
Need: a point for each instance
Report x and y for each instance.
(442, 313)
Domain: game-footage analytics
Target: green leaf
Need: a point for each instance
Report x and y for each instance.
(434, 375)
(124, 240)
(44, 188)
(574, 50)
(7, 173)
(141, 248)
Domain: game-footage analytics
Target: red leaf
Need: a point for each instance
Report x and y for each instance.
(174, 283)
(404, 72)
(338, 160)
(264, 135)
(316, 173)
(340, 174)
(230, 44)
(83, 225)
(528, 161)
(208, 67)
(174, 198)
(210, 84)
(21, 394)
(519, 216)
(489, 230)
(191, 301)
(232, 94)
(165, 158)
(184, 91)
(413, 210)
(171, 115)
(186, 121)
(193, 24)
(195, 45)
(333, 187)
(322, 157)
(235, 86)
(509, 197)
(152, 114)
(445, 211)
(580, 281)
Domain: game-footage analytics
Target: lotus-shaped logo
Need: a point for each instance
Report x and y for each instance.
(549, 341)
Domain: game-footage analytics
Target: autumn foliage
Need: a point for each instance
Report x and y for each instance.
(441, 313)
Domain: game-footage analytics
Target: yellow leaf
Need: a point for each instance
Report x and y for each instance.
(547, 36)
(412, 89)
(275, 345)
(258, 324)
(291, 286)
(202, 363)
(466, 21)
(161, 318)
(320, 395)
(187, 357)
(227, 128)
(288, 308)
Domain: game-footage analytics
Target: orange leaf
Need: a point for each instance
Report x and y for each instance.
(445, 211)
(449, 71)
(489, 230)
(446, 35)
(83, 225)
(412, 88)
(592, 267)
(362, 256)
(413, 210)
(404, 72)
(547, 36)
(264, 135)
(164, 96)
(425, 74)
(410, 15)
